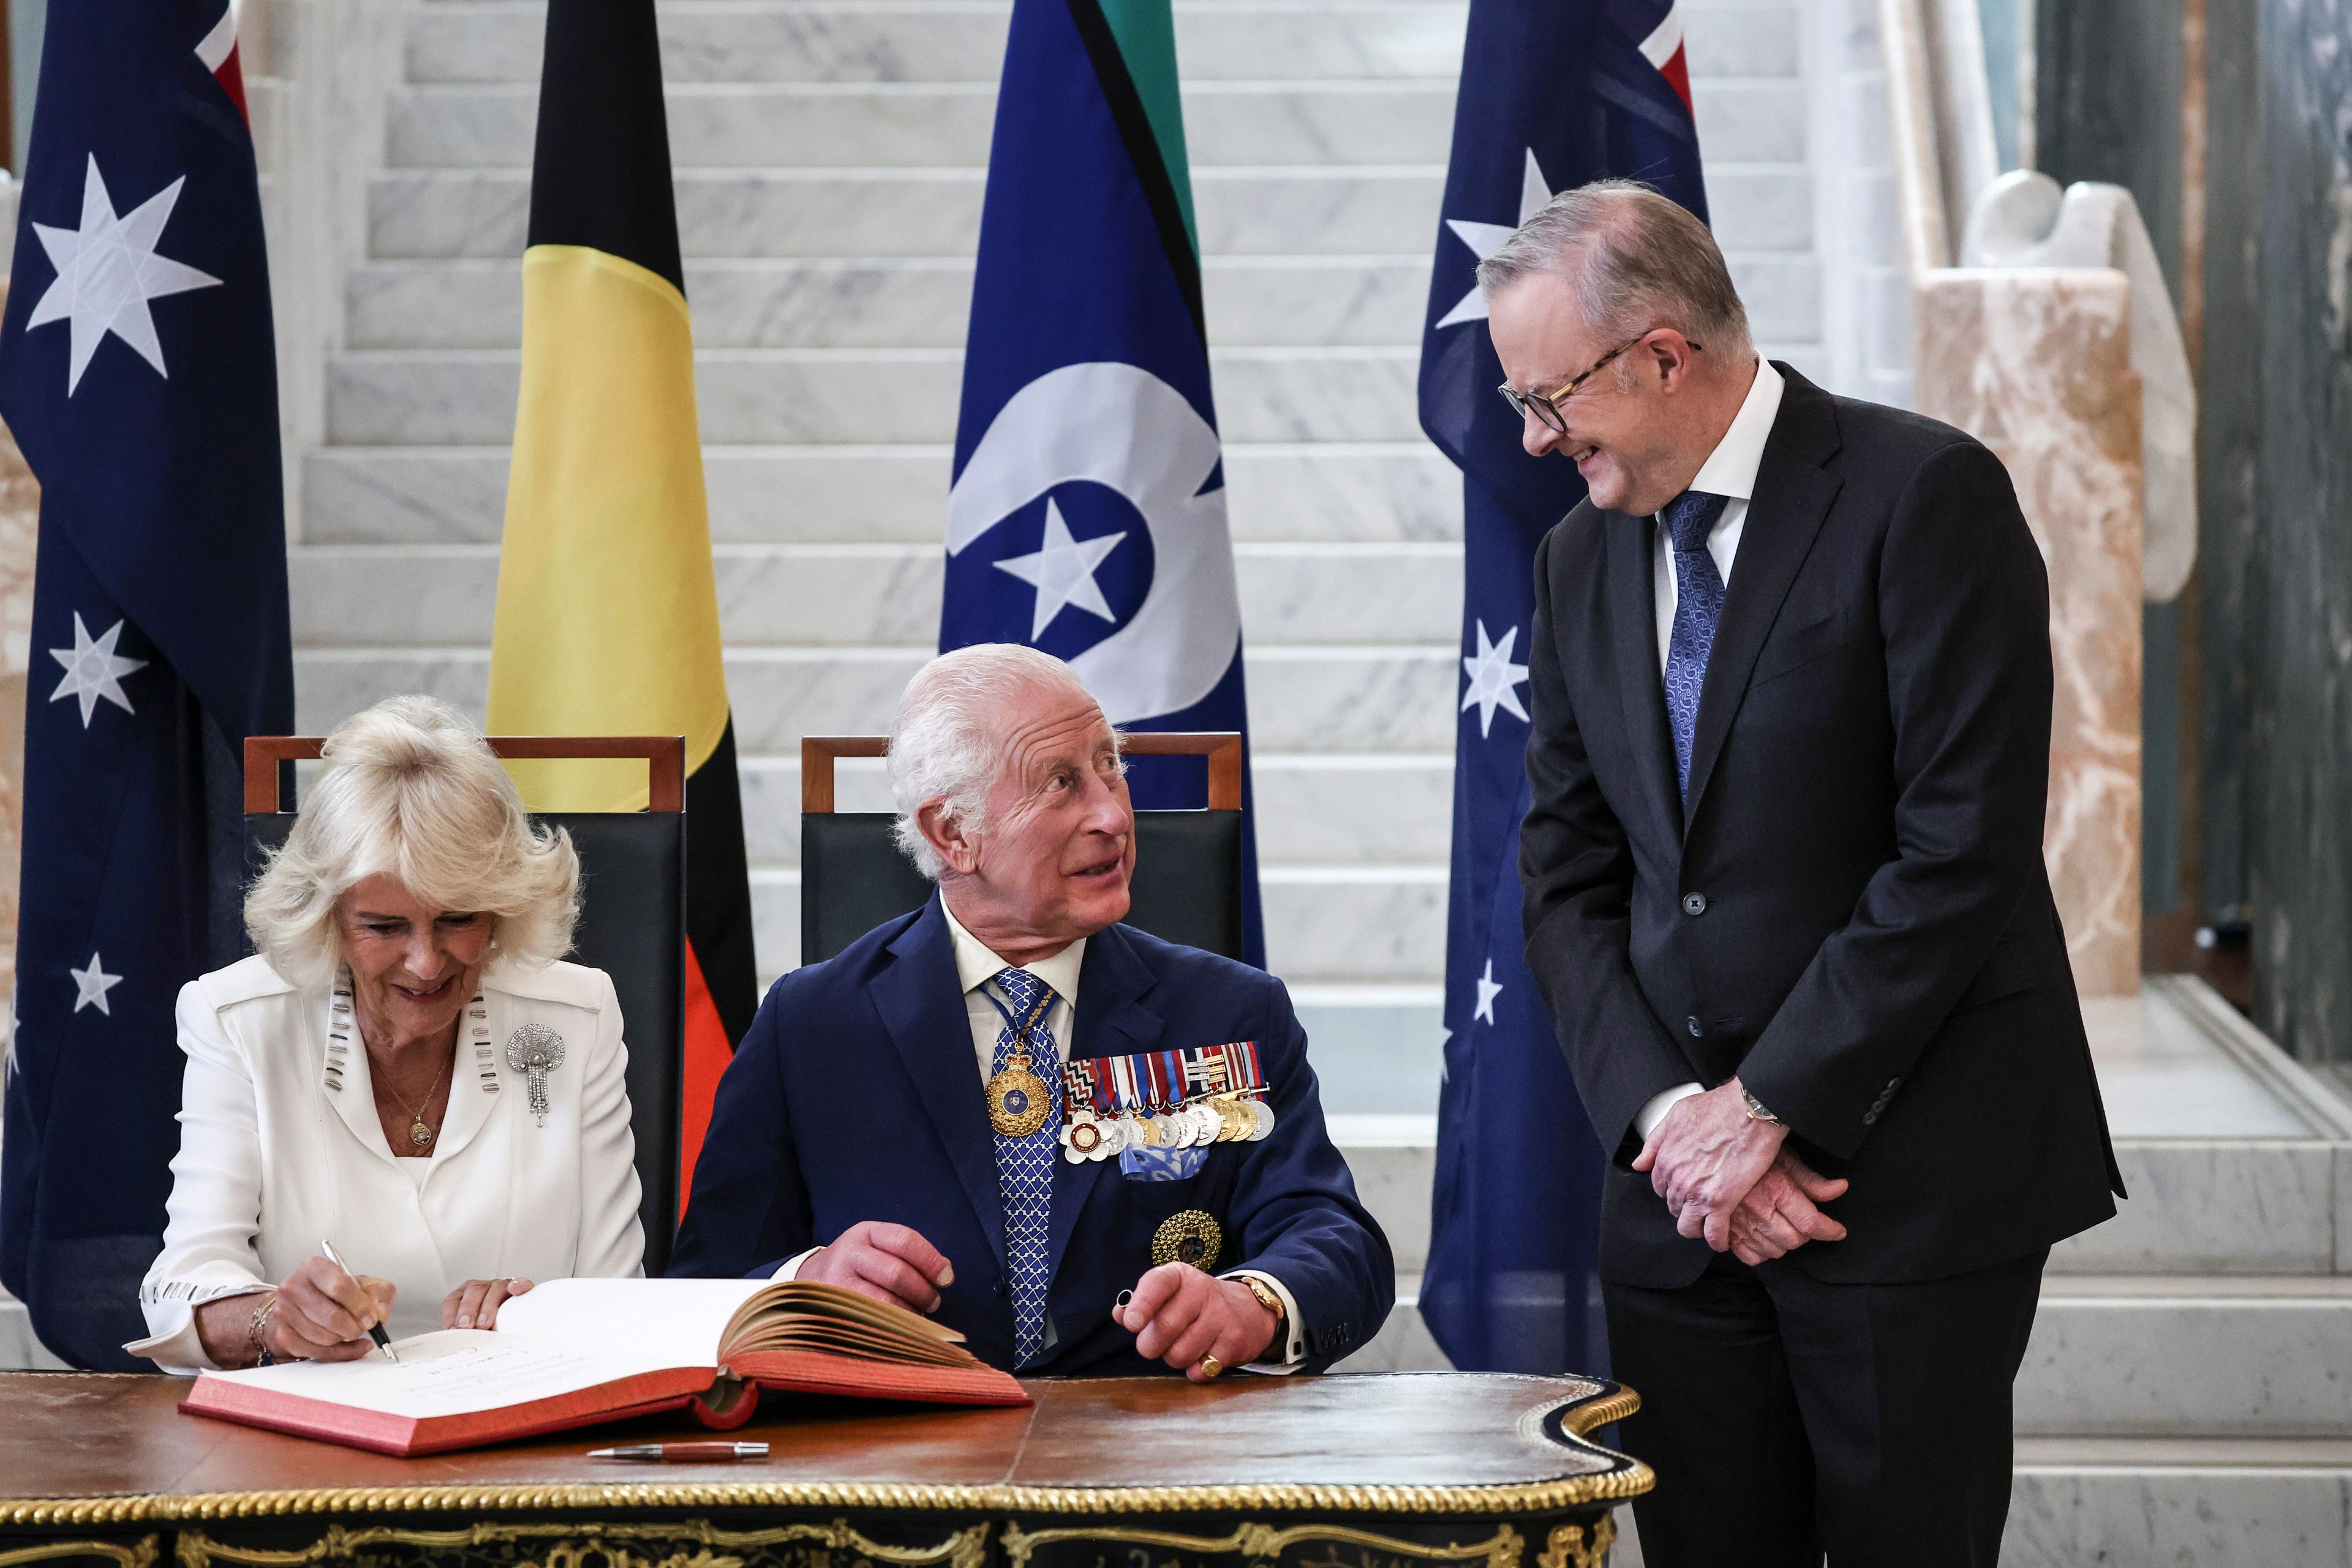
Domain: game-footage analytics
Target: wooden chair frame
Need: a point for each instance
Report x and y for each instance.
(665, 758)
(1222, 747)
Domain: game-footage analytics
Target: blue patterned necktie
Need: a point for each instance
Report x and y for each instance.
(1024, 1167)
(1698, 606)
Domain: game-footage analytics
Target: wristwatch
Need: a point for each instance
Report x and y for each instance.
(1269, 1301)
(1755, 1111)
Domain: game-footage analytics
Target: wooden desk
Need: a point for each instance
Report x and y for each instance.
(1412, 1470)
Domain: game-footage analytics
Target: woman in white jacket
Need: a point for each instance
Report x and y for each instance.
(406, 1068)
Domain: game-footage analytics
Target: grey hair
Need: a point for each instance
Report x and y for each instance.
(1635, 260)
(411, 790)
(946, 741)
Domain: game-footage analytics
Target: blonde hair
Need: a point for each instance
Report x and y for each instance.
(411, 790)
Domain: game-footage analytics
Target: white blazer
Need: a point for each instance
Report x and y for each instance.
(274, 1157)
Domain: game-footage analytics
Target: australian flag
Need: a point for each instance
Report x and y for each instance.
(1088, 515)
(1555, 94)
(138, 371)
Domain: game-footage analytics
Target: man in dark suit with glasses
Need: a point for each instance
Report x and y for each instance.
(1785, 897)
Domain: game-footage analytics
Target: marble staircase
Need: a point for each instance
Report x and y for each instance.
(2187, 1396)
(830, 158)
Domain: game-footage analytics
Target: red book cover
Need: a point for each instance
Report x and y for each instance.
(579, 1353)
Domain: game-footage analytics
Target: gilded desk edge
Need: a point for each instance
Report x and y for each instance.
(1567, 1491)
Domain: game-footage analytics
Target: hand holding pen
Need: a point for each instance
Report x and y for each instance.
(325, 1312)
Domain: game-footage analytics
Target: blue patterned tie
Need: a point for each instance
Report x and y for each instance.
(1024, 1167)
(1698, 606)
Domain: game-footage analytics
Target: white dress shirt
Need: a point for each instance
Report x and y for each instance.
(1729, 470)
(975, 967)
(272, 1159)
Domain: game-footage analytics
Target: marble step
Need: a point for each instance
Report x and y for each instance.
(832, 396)
(1352, 700)
(1312, 810)
(935, 212)
(2223, 1206)
(878, 211)
(450, 396)
(1328, 492)
(2124, 1355)
(737, 125)
(2215, 1502)
(926, 302)
(1379, 925)
(1393, 1158)
(842, 595)
(963, 40)
(913, 302)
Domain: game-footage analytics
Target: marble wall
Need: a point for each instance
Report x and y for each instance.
(2300, 617)
(2109, 106)
(2037, 364)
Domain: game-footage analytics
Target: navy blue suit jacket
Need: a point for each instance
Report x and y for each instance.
(854, 1097)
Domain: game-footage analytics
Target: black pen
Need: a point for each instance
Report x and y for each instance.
(375, 1331)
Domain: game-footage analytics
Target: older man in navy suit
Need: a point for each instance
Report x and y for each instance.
(879, 1127)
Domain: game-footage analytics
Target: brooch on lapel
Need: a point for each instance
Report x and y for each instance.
(535, 1050)
(1192, 1237)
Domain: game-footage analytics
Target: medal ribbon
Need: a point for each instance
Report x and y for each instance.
(1151, 1083)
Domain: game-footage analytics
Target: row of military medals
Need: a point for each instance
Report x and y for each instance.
(1116, 1103)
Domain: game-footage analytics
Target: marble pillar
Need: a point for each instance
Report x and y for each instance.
(2037, 364)
(20, 514)
(2300, 609)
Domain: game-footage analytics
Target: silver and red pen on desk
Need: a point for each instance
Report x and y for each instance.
(681, 1453)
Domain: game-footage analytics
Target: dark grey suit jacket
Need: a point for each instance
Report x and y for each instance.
(1854, 916)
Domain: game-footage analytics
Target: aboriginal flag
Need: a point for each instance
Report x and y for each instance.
(608, 612)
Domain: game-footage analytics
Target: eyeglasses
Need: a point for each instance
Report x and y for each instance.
(1546, 408)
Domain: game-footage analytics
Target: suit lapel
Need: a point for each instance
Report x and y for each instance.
(1792, 500)
(922, 1008)
(1634, 625)
(1111, 1021)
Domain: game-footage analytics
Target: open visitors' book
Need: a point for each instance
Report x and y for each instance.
(573, 1353)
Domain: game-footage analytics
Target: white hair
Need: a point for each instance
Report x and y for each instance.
(946, 742)
(411, 790)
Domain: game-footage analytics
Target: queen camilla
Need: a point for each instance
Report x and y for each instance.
(353, 1080)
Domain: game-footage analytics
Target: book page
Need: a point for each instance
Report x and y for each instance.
(683, 1321)
(457, 1371)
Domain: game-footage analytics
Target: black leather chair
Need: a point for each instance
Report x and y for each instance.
(632, 925)
(1188, 864)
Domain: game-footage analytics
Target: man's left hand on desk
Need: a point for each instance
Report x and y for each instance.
(1179, 1315)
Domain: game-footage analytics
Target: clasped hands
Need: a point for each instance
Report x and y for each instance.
(1177, 1314)
(1732, 1179)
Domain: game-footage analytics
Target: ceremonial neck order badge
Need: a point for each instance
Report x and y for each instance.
(1164, 1099)
(1018, 1100)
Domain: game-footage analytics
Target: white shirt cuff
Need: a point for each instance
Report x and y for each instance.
(1294, 1350)
(1656, 1110)
(791, 1267)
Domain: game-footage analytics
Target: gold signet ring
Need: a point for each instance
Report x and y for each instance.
(1210, 1367)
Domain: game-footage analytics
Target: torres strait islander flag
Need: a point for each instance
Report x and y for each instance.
(1555, 94)
(1088, 515)
(608, 611)
(138, 371)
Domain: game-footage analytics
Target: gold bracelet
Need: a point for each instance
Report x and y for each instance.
(259, 1326)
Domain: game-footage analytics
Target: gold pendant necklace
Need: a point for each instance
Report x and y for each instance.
(419, 1134)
